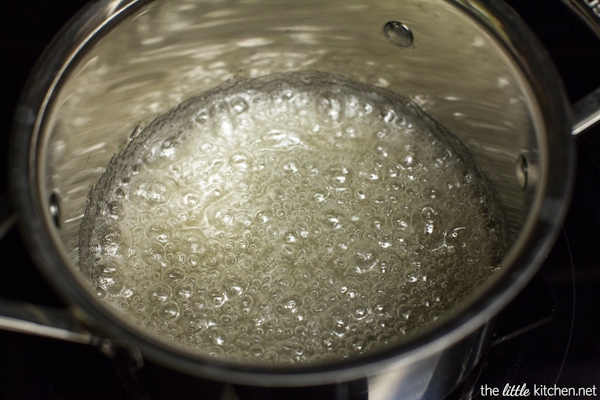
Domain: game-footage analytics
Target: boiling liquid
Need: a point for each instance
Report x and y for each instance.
(291, 219)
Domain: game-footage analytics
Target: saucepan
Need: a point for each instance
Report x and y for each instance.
(472, 68)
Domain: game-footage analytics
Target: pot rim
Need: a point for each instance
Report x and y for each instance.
(535, 240)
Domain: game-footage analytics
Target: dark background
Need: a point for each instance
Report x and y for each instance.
(568, 284)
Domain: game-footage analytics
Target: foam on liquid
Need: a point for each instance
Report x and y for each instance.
(291, 219)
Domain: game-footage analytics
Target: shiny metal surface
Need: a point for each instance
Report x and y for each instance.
(120, 64)
(588, 10)
(586, 113)
(44, 321)
(172, 50)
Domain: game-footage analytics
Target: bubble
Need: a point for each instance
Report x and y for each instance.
(191, 200)
(192, 243)
(290, 166)
(159, 231)
(357, 344)
(338, 176)
(319, 307)
(281, 213)
(201, 117)
(120, 193)
(216, 336)
(455, 237)
(289, 303)
(337, 320)
(331, 218)
(329, 107)
(168, 148)
(431, 193)
(193, 260)
(219, 109)
(239, 105)
(240, 161)
(276, 192)
(112, 241)
(379, 305)
(217, 297)
(159, 293)
(153, 255)
(233, 286)
(246, 302)
(109, 278)
(389, 115)
(184, 290)
(153, 192)
(328, 340)
(359, 309)
(320, 197)
(168, 311)
(364, 257)
(430, 220)
(173, 275)
(378, 199)
(116, 210)
(220, 217)
(291, 237)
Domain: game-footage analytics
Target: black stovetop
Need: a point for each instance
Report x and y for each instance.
(549, 335)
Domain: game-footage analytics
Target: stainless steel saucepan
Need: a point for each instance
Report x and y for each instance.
(471, 64)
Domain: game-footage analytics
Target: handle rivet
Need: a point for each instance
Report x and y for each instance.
(398, 34)
(54, 208)
(522, 171)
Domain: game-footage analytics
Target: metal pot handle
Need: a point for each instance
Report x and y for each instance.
(62, 323)
(45, 321)
(586, 112)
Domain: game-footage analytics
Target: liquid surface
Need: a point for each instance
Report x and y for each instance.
(291, 219)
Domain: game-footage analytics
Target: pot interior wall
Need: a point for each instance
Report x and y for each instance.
(169, 51)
